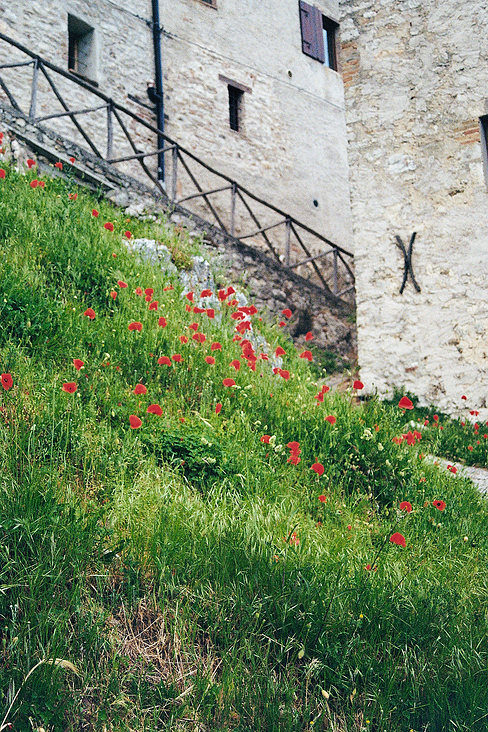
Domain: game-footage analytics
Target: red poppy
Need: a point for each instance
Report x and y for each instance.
(358, 384)
(69, 387)
(236, 364)
(193, 326)
(140, 389)
(58, 165)
(177, 357)
(7, 381)
(397, 440)
(474, 412)
(293, 445)
(237, 338)
(435, 418)
(294, 459)
(215, 346)
(34, 183)
(90, 313)
(206, 293)
(322, 499)
(398, 539)
(72, 196)
(199, 337)
(309, 336)
(409, 437)
(265, 439)
(113, 294)
(284, 374)
(286, 312)
(41, 184)
(30, 163)
(439, 504)
(153, 305)
(2, 173)
(183, 339)
(162, 322)
(72, 160)
(95, 212)
(280, 351)
(405, 403)
(190, 296)
(154, 409)
(452, 468)
(282, 324)
(138, 291)
(218, 408)
(128, 234)
(229, 382)
(318, 468)
(122, 284)
(198, 310)
(464, 397)
(319, 397)
(307, 355)
(470, 447)
(406, 506)
(135, 325)
(222, 295)
(210, 313)
(78, 363)
(210, 360)
(237, 316)
(325, 389)
(331, 419)
(164, 361)
(135, 422)
(188, 308)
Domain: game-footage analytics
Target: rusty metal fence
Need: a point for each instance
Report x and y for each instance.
(33, 88)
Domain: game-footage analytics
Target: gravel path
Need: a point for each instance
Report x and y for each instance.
(479, 476)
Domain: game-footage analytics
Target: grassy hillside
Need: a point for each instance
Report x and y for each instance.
(195, 533)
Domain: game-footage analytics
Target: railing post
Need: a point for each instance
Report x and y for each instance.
(35, 73)
(335, 272)
(287, 242)
(174, 172)
(110, 131)
(233, 208)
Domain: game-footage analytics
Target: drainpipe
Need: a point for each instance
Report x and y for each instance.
(158, 78)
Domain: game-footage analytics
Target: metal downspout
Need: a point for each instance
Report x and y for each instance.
(158, 78)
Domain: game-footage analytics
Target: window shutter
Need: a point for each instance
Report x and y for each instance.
(312, 35)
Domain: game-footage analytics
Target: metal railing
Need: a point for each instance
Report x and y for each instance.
(324, 262)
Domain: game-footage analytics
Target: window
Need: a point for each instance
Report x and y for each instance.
(236, 102)
(235, 107)
(484, 144)
(81, 49)
(212, 3)
(318, 35)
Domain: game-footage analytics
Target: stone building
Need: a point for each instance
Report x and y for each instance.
(247, 92)
(283, 97)
(416, 86)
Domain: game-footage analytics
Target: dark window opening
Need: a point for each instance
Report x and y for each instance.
(484, 144)
(318, 35)
(81, 49)
(235, 107)
(329, 29)
(213, 3)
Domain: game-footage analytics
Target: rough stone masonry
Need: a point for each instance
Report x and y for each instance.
(416, 84)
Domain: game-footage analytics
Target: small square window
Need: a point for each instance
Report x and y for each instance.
(318, 35)
(81, 49)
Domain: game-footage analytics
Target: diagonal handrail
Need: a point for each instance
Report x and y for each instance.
(116, 112)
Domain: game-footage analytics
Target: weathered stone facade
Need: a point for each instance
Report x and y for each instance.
(416, 79)
(291, 145)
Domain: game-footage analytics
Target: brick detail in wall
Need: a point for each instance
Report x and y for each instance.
(350, 63)
(468, 132)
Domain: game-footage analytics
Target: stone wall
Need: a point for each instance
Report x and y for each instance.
(416, 80)
(291, 148)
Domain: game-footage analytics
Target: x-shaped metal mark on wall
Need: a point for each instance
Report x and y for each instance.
(407, 259)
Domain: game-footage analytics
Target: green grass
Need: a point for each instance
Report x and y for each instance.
(187, 568)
